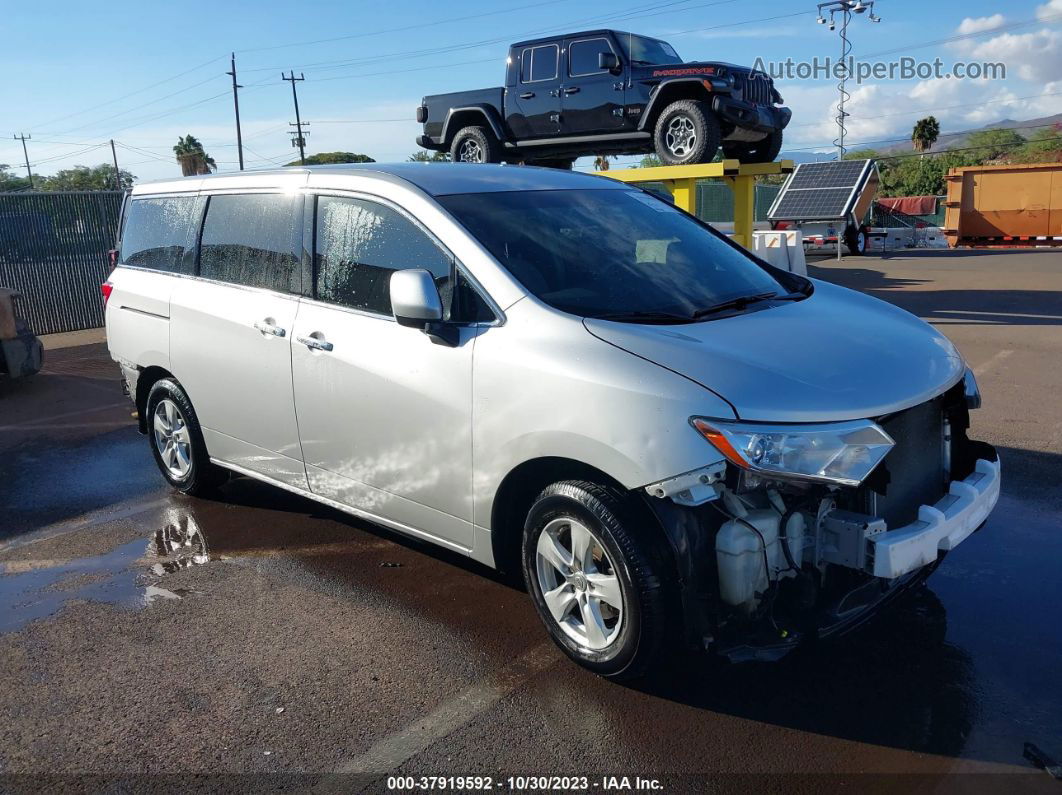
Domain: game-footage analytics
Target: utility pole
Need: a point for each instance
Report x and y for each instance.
(299, 138)
(23, 137)
(117, 173)
(236, 104)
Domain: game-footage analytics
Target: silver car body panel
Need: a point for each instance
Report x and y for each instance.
(420, 436)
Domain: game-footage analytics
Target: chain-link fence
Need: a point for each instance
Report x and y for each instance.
(53, 250)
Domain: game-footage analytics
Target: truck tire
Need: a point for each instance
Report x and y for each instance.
(598, 581)
(855, 240)
(687, 132)
(765, 151)
(475, 145)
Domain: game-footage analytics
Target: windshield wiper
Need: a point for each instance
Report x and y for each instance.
(743, 301)
(645, 317)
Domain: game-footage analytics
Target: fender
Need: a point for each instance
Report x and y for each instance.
(656, 105)
(489, 113)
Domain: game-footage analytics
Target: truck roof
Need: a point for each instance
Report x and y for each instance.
(579, 34)
(436, 179)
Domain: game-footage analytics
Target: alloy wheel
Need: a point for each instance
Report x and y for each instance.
(470, 152)
(579, 583)
(681, 136)
(172, 440)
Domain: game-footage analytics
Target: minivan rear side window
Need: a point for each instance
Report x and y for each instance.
(360, 243)
(253, 240)
(157, 233)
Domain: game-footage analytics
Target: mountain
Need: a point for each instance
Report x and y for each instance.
(959, 139)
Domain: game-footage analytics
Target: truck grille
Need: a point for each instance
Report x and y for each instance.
(914, 469)
(754, 87)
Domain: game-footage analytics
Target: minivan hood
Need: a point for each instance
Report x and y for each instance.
(837, 355)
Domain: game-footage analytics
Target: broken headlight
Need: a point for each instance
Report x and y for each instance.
(843, 453)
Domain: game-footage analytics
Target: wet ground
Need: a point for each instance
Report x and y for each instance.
(260, 636)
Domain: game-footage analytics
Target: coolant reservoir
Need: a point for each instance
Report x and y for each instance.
(739, 555)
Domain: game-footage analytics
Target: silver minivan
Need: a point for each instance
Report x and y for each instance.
(677, 444)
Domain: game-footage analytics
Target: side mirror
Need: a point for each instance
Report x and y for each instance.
(608, 60)
(415, 299)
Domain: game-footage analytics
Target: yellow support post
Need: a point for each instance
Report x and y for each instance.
(681, 181)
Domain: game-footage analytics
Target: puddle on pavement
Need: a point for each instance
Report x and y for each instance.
(130, 575)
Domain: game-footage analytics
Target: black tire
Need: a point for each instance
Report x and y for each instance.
(201, 477)
(765, 151)
(639, 565)
(685, 117)
(475, 141)
(855, 240)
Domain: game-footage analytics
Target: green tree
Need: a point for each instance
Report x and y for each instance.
(925, 133)
(992, 144)
(192, 157)
(327, 158)
(650, 161)
(861, 154)
(1043, 146)
(10, 180)
(424, 156)
(99, 177)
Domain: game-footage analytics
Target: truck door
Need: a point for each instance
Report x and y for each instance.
(536, 96)
(591, 95)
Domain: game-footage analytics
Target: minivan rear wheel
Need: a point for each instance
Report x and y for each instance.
(177, 440)
(594, 578)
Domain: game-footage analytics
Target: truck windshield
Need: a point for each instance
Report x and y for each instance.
(618, 254)
(642, 50)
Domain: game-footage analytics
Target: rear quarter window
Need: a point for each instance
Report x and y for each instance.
(158, 233)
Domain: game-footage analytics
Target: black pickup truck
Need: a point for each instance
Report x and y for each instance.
(603, 92)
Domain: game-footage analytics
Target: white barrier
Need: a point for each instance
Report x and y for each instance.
(784, 249)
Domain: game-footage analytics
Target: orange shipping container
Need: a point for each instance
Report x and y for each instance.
(1004, 205)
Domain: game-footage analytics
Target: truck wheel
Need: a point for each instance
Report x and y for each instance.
(475, 145)
(177, 440)
(597, 582)
(855, 240)
(765, 151)
(687, 132)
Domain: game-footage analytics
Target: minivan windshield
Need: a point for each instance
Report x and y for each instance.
(643, 50)
(614, 254)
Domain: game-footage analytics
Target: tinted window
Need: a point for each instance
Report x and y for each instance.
(582, 56)
(359, 244)
(642, 50)
(609, 252)
(158, 232)
(252, 240)
(539, 63)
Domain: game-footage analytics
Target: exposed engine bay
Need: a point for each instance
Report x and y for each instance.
(769, 562)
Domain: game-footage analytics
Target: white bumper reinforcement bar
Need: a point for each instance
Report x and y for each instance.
(939, 527)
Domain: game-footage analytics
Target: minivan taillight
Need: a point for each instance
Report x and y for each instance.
(106, 289)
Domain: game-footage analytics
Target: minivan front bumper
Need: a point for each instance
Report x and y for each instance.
(940, 527)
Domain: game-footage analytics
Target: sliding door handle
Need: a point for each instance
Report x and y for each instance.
(315, 344)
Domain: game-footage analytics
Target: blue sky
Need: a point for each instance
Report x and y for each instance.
(145, 72)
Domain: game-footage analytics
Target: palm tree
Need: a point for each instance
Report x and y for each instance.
(601, 162)
(192, 158)
(925, 133)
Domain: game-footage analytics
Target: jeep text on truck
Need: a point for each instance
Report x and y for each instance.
(603, 92)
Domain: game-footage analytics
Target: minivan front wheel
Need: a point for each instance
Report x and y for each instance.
(594, 580)
(177, 440)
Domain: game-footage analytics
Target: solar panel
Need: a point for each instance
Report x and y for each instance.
(824, 191)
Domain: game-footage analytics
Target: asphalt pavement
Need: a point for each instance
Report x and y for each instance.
(261, 641)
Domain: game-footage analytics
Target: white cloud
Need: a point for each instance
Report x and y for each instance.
(1033, 56)
(978, 24)
(1051, 10)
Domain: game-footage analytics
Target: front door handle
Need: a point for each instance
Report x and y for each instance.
(527, 95)
(315, 344)
(571, 90)
(269, 328)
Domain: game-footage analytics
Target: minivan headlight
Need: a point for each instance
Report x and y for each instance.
(842, 453)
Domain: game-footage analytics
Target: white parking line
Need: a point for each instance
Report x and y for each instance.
(394, 750)
(992, 361)
(67, 425)
(65, 414)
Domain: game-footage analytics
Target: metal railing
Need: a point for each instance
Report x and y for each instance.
(53, 250)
